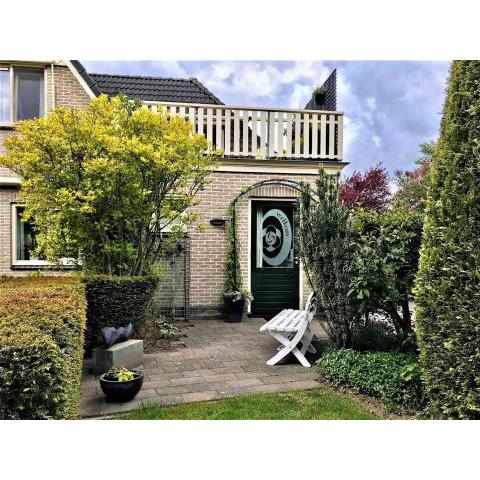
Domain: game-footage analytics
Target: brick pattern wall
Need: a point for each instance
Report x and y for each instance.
(7, 196)
(209, 247)
(68, 93)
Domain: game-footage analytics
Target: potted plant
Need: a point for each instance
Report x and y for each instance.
(121, 384)
(235, 297)
(319, 95)
(235, 305)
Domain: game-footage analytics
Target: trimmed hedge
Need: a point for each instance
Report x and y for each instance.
(394, 378)
(42, 327)
(447, 294)
(115, 302)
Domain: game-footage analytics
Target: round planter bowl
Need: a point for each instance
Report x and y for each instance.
(116, 391)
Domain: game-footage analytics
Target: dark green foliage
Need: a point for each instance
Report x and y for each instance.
(386, 261)
(233, 281)
(326, 241)
(115, 302)
(42, 327)
(159, 327)
(394, 378)
(447, 289)
(375, 336)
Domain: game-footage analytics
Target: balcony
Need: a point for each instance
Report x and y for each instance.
(262, 133)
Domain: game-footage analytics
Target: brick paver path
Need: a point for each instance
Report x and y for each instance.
(220, 360)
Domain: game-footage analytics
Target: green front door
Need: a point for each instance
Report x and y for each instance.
(274, 263)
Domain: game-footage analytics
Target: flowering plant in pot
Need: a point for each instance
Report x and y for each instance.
(235, 304)
(121, 384)
(319, 95)
(235, 297)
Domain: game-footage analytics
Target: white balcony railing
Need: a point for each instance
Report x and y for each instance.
(264, 133)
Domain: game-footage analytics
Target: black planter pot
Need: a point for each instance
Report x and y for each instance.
(319, 98)
(116, 391)
(234, 308)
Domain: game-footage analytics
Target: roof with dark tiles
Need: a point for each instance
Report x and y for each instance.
(159, 89)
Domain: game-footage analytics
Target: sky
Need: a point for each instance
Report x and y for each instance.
(390, 107)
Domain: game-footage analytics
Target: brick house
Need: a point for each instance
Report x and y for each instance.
(266, 151)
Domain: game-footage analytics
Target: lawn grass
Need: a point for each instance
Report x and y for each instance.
(322, 403)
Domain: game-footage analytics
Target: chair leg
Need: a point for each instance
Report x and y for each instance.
(289, 346)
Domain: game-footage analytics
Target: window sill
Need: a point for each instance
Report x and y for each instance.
(7, 126)
(40, 265)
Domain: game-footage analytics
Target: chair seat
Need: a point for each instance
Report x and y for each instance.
(286, 321)
(292, 328)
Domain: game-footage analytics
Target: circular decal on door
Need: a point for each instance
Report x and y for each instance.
(276, 237)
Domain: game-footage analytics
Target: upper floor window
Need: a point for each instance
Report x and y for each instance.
(22, 93)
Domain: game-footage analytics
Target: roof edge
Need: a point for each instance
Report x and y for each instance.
(82, 75)
(206, 90)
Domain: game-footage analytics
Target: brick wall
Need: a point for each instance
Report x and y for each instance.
(68, 93)
(7, 196)
(209, 248)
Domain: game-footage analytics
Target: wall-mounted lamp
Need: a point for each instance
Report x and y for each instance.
(217, 222)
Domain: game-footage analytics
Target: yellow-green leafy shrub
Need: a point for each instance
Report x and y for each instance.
(42, 327)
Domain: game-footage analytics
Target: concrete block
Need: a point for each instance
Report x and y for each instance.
(126, 354)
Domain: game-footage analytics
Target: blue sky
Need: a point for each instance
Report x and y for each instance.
(390, 107)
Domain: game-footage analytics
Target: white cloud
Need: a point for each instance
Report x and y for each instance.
(376, 140)
(264, 83)
(301, 94)
(351, 130)
(371, 103)
(255, 81)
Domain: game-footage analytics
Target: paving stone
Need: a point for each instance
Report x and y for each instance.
(244, 382)
(90, 406)
(276, 379)
(157, 383)
(114, 408)
(146, 393)
(200, 379)
(201, 396)
(89, 391)
(220, 360)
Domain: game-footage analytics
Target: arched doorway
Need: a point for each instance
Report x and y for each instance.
(274, 264)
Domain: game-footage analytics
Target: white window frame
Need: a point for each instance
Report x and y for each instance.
(16, 263)
(13, 99)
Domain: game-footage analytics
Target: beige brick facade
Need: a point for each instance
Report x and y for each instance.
(209, 248)
(64, 91)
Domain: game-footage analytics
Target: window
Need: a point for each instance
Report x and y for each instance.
(5, 95)
(22, 93)
(24, 243)
(24, 239)
(28, 93)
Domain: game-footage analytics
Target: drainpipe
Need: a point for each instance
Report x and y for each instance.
(53, 85)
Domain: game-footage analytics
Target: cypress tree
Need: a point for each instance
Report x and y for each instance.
(448, 281)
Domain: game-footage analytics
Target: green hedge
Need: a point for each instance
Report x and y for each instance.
(447, 296)
(116, 301)
(376, 336)
(42, 327)
(394, 378)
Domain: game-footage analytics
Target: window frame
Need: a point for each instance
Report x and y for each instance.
(65, 263)
(13, 94)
